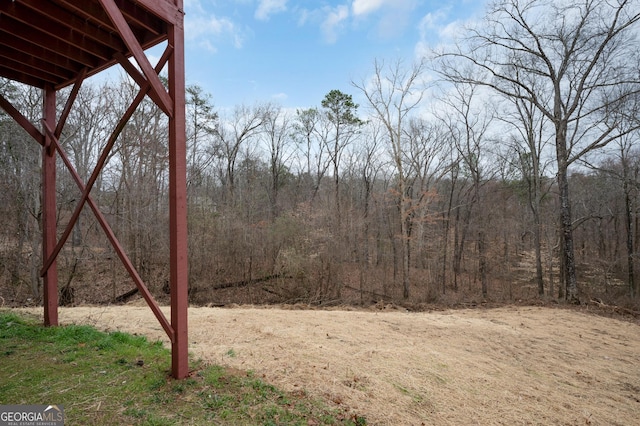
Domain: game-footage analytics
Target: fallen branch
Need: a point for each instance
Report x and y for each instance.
(242, 283)
(372, 293)
(270, 291)
(616, 309)
(126, 296)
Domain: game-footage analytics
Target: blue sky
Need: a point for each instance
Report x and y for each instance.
(294, 53)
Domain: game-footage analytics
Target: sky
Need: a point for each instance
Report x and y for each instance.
(294, 53)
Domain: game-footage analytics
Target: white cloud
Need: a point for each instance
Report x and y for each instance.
(304, 16)
(201, 25)
(444, 27)
(454, 30)
(208, 46)
(334, 20)
(207, 30)
(266, 8)
(437, 30)
(193, 5)
(280, 97)
(363, 7)
(432, 22)
(393, 16)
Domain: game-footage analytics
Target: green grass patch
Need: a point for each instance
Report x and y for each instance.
(116, 378)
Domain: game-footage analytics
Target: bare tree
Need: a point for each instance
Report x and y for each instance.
(467, 116)
(368, 164)
(624, 170)
(394, 93)
(451, 183)
(581, 51)
(20, 163)
(630, 177)
(529, 142)
(244, 124)
(142, 181)
(276, 136)
(310, 129)
(428, 161)
(86, 128)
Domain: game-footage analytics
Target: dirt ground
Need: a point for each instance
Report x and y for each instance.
(507, 366)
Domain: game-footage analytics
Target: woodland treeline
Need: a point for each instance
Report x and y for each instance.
(505, 167)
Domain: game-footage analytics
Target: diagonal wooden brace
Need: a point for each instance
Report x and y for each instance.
(137, 76)
(70, 100)
(112, 238)
(21, 120)
(100, 164)
(115, 15)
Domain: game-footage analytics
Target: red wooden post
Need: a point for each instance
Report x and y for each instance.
(50, 277)
(178, 201)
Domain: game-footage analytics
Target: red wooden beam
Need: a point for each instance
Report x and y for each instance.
(39, 52)
(37, 39)
(95, 14)
(21, 120)
(50, 278)
(14, 75)
(70, 100)
(64, 17)
(27, 61)
(66, 34)
(137, 77)
(153, 24)
(115, 14)
(37, 73)
(178, 201)
(170, 10)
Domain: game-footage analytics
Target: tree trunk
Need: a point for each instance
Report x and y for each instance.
(445, 247)
(457, 250)
(628, 223)
(406, 251)
(447, 227)
(550, 270)
(404, 237)
(482, 262)
(566, 226)
(535, 189)
(538, 243)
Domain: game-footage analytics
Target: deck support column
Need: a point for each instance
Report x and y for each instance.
(178, 201)
(49, 222)
(90, 38)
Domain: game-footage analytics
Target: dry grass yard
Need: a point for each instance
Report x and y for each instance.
(507, 366)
